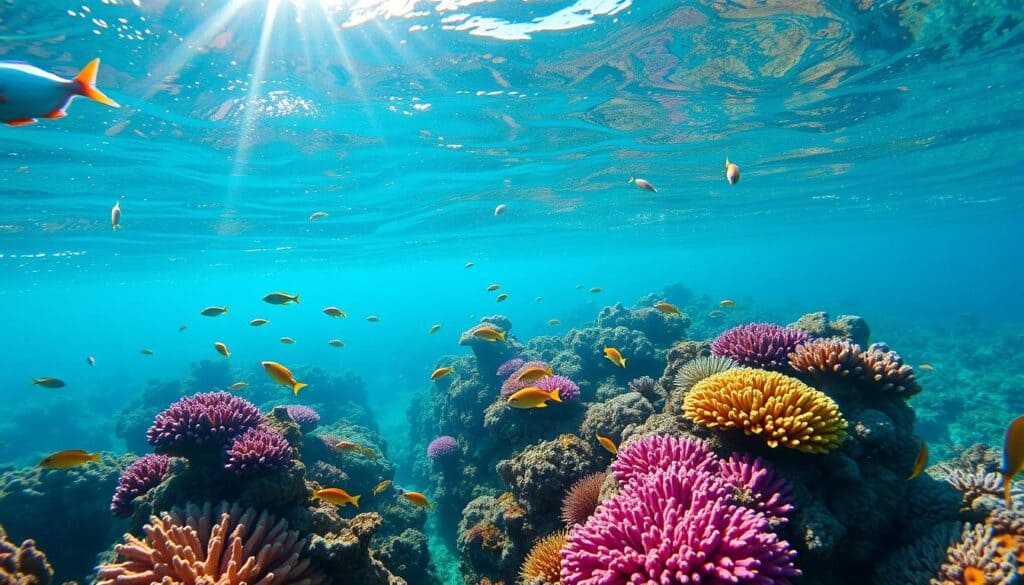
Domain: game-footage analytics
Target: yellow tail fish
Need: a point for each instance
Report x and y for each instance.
(283, 376)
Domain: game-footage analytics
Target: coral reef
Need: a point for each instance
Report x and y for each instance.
(582, 499)
(443, 448)
(848, 327)
(826, 358)
(613, 417)
(493, 537)
(756, 485)
(543, 564)
(306, 417)
(650, 453)
(976, 559)
(142, 475)
(759, 345)
(197, 422)
(920, 561)
(885, 368)
(490, 354)
(23, 564)
(660, 328)
(782, 410)
(567, 389)
(258, 450)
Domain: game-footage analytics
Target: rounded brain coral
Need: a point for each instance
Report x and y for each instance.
(759, 345)
(227, 544)
(443, 448)
(782, 410)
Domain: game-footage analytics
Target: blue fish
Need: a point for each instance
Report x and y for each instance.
(28, 93)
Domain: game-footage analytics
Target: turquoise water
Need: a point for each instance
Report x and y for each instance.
(879, 145)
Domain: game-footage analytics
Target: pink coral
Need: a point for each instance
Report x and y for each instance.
(212, 418)
(759, 345)
(655, 452)
(758, 486)
(258, 450)
(144, 474)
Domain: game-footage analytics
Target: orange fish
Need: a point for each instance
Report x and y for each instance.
(115, 216)
(1013, 455)
(920, 462)
(418, 500)
(336, 496)
(608, 444)
(335, 312)
(283, 376)
(441, 373)
(732, 172)
(643, 184)
(28, 93)
(534, 373)
(667, 307)
(533, 397)
(221, 349)
(382, 486)
(488, 334)
(614, 356)
(347, 446)
(69, 458)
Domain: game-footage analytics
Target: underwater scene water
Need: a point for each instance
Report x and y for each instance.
(511, 292)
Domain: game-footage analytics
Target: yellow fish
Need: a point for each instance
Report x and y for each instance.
(926, 367)
(595, 289)
(418, 500)
(221, 349)
(614, 356)
(258, 322)
(337, 343)
(373, 318)
(608, 444)
(368, 452)
(213, 311)
(554, 322)
(434, 329)
(441, 373)
(501, 297)
(732, 172)
(287, 340)
(238, 385)
(336, 496)
(382, 486)
(283, 376)
(493, 287)
(667, 307)
(533, 397)
(146, 351)
(727, 303)
(534, 373)
(1013, 455)
(347, 446)
(488, 334)
(49, 382)
(69, 458)
(920, 462)
(335, 312)
(280, 298)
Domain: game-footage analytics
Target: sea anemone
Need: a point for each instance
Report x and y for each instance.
(567, 389)
(544, 561)
(702, 367)
(510, 366)
(759, 345)
(226, 544)
(827, 357)
(782, 410)
(976, 560)
(23, 564)
(443, 448)
(582, 499)
(144, 474)
(758, 486)
(306, 417)
(885, 369)
(258, 450)
(649, 454)
(675, 527)
(211, 418)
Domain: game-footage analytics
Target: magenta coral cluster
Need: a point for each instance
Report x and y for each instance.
(201, 419)
(758, 486)
(567, 389)
(444, 447)
(138, 478)
(512, 383)
(510, 366)
(306, 417)
(759, 345)
(649, 454)
(258, 450)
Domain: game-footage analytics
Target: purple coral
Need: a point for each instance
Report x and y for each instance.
(642, 385)
(650, 454)
(444, 447)
(306, 417)
(759, 345)
(675, 526)
(138, 478)
(567, 389)
(258, 450)
(510, 366)
(201, 419)
(513, 384)
(758, 486)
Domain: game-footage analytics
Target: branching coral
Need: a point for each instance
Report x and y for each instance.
(885, 369)
(544, 561)
(975, 484)
(138, 478)
(827, 357)
(582, 499)
(780, 409)
(649, 454)
(976, 560)
(756, 485)
(223, 545)
(700, 368)
(759, 345)
(567, 389)
(258, 450)
(212, 418)
(23, 564)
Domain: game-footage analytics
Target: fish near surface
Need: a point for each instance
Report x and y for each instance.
(28, 93)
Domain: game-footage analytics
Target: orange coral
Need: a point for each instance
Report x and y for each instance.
(824, 358)
(227, 545)
(974, 576)
(544, 560)
(782, 410)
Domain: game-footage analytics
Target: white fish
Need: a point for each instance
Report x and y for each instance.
(317, 215)
(500, 209)
(643, 184)
(28, 93)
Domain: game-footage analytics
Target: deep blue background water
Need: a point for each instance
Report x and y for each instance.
(879, 145)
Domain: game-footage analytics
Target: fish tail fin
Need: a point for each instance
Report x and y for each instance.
(430, 506)
(632, 179)
(623, 362)
(1007, 479)
(86, 79)
(298, 386)
(355, 500)
(95, 457)
(297, 299)
(727, 161)
(225, 308)
(554, 395)
(32, 381)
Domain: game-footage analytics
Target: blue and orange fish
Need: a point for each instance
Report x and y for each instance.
(28, 93)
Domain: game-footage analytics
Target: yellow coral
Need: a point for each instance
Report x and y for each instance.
(782, 410)
(544, 560)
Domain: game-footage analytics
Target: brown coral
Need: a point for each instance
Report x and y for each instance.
(782, 410)
(24, 564)
(885, 369)
(582, 499)
(226, 545)
(488, 534)
(544, 561)
(827, 357)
